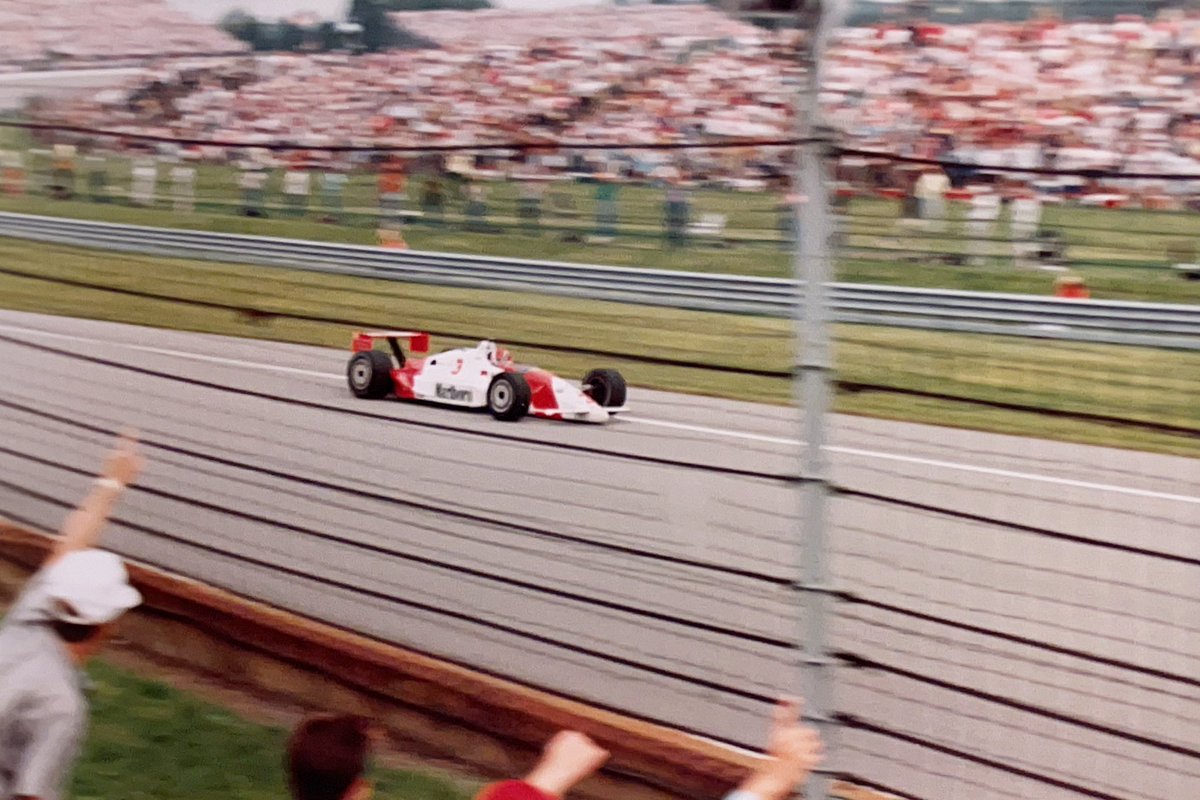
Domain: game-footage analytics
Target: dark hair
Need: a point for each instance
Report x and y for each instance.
(73, 632)
(326, 755)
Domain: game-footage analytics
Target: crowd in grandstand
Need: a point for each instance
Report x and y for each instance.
(1072, 95)
(70, 33)
(1037, 94)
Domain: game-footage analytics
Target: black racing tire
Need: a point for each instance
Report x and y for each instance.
(508, 397)
(369, 374)
(606, 387)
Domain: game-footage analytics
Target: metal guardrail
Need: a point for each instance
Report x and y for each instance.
(1154, 324)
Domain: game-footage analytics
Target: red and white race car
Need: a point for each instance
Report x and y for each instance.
(478, 377)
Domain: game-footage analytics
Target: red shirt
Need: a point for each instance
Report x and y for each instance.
(512, 790)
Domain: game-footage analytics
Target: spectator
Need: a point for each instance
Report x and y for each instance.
(253, 182)
(392, 192)
(327, 758)
(63, 187)
(183, 186)
(61, 619)
(476, 208)
(931, 191)
(145, 180)
(333, 183)
(433, 199)
(793, 751)
(530, 203)
(295, 190)
(676, 213)
(606, 206)
(12, 175)
(981, 221)
(97, 177)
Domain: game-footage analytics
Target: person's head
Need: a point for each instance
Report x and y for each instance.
(87, 592)
(327, 758)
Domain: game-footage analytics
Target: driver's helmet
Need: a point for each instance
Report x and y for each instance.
(496, 355)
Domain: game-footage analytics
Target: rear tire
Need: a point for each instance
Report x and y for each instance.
(508, 397)
(606, 387)
(369, 374)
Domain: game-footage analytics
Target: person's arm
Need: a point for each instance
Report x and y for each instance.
(793, 752)
(82, 528)
(567, 759)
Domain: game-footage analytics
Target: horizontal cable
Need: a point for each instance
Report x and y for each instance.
(505, 580)
(857, 723)
(523, 146)
(863, 662)
(415, 505)
(1017, 526)
(409, 603)
(851, 597)
(1083, 173)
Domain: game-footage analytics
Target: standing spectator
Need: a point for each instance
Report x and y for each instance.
(476, 208)
(676, 212)
(61, 619)
(982, 216)
(606, 206)
(253, 182)
(97, 176)
(63, 186)
(295, 190)
(327, 758)
(1025, 216)
(333, 183)
(392, 194)
(433, 199)
(530, 204)
(36, 180)
(183, 188)
(145, 180)
(931, 191)
(12, 175)
(789, 220)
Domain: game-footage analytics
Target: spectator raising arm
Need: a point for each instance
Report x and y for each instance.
(793, 751)
(82, 528)
(567, 759)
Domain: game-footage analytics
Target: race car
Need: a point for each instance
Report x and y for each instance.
(483, 376)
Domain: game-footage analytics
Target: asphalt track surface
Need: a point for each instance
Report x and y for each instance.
(1031, 614)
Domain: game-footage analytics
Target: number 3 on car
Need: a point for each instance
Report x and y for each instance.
(483, 376)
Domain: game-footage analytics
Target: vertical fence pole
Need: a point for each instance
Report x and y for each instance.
(813, 271)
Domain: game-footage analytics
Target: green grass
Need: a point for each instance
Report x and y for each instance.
(1121, 254)
(149, 740)
(1138, 383)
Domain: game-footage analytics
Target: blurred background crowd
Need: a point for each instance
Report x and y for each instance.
(1039, 93)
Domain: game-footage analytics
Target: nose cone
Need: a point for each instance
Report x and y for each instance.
(598, 414)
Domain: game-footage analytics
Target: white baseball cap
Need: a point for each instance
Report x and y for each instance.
(89, 587)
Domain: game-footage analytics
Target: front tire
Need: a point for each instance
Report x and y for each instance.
(369, 374)
(508, 397)
(606, 387)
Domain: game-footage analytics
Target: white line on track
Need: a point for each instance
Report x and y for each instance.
(682, 426)
(877, 454)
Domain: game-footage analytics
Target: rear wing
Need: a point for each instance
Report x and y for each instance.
(365, 340)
